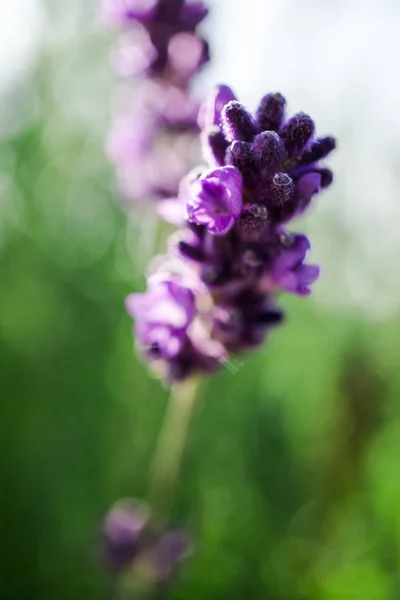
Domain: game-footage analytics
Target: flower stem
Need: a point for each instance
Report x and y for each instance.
(170, 447)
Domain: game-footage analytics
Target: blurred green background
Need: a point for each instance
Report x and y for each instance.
(290, 483)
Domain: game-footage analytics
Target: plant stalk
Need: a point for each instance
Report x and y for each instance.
(170, 447)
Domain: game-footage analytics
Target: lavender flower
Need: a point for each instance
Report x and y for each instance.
(130, 542)
(215, 199)
(123, 530)
(234, 253)
(156, 141)
(166, 311)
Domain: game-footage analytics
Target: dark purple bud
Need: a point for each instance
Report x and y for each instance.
(237, 123)
(306, 187)
(193, 13)
(268, 149)
(123, 529)
(191, 252)
(317, 151)
(296, 133)
(253, 219)
(326, 177)
(215, 146)
(270, 113)
(241, 156)
(280, 190)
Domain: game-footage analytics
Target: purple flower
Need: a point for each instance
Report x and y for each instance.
(167, 27)
(130, 542)
(162, 316)
(266, 170)
(215, 200)
(290, 273)
(123, 531)
(156, 141)
(121, 12)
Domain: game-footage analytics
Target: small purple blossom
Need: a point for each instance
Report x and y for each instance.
(131, 542)
(289, 272)
(162, 315)
(215, 200)
(123, 531)
(163, 29)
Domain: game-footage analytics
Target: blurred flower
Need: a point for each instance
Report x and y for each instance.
(233, 255)
(123, 531)
(131, 543)
(156, 142)
(163, 315)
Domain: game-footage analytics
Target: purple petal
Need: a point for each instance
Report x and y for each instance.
(172, 210)
(299, 280)
(185, 53)
(121, 12)
(210, 113)
(215, 200)
(308, 185)
(233, 180)
(192, 14)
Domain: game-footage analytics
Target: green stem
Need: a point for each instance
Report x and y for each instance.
(170, 447)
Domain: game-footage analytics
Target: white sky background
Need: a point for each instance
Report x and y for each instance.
(20, 29)
(337, 60)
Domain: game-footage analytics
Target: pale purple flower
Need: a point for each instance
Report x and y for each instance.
(289, 272)
(123, 531)
(162, 316)
(215, 200)
(160, 48)
(131, 542)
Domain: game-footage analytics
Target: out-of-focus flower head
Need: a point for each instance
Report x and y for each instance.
(155, 142)
(159, 37)
(131, 543)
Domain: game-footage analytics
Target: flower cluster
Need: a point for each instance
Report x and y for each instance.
(214, 294)
(131, 543)
(155, 141)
